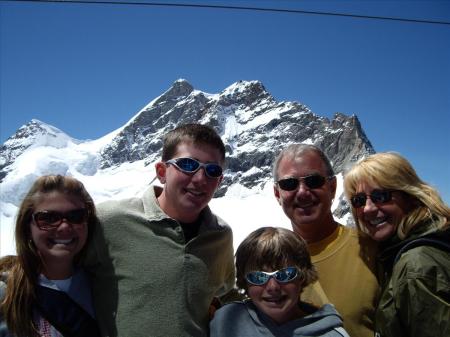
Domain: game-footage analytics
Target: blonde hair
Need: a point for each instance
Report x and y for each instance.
(23, 270)
(273, 247)
(389, 170)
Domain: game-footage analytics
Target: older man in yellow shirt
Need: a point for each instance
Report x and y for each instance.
(305, 187)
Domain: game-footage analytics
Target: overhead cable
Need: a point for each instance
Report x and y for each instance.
(261, 9)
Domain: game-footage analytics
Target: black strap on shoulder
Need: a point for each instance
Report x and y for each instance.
(67, 316)
(431, 240)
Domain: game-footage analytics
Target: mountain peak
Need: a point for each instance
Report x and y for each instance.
(33, 134)
(179, 89)
(241, 87)
(253, 125)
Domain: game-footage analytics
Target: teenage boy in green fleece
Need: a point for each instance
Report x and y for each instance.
(159, 261)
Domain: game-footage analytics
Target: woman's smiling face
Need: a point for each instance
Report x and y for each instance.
(381, 219)
(58, 246)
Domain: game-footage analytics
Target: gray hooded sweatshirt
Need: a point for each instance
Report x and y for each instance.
(243, 319)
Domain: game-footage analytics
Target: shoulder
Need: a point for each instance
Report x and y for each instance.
(423, 261)
(232, 312)
(229, 313)
(116, 213)
(113, 208)
(2, 290)
(360, 242)
(210, 221)
(329, 313)
(3, 284)
(354, 239)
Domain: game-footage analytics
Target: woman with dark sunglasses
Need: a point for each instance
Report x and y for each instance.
(273, 266)
(43, 292)
(412, 225)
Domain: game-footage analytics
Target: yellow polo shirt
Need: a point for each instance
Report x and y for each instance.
(346, 266)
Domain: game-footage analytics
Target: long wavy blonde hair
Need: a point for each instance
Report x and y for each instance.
(389, 170)
(23, 271)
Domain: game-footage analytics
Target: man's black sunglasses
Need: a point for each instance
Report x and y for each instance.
(377, 197)
(190, 166)
(312, 181)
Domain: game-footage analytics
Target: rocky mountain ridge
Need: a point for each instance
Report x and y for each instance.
(253, 125)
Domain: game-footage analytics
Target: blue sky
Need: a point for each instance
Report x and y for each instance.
(87, 69)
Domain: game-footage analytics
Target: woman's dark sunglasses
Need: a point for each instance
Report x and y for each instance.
(48, 220)
(313, 181)
(259, 278)
(377, 197)
(190, 166)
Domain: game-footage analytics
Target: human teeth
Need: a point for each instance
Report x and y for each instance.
(63, 242)
(195, 192)
(273, 300)
(377, 221)
(305, 205)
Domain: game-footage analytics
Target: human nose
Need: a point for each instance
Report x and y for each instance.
(272, 285)
(64, 225)
(370, 206)
(200, 175)
(302, 188)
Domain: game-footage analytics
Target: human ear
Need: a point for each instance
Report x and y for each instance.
(276, 192)
(161, 168)
(219, 181)
(333, 186)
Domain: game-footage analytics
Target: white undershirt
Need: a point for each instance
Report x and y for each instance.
(63, 285)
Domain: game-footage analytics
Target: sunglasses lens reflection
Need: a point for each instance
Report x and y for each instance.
(189, 165)
(289, 184)
(257, 277)
(213, 170)
(312, 182)
(48, 219)
(358, 200)
(377, 196)
(284, 275)
(381, 196)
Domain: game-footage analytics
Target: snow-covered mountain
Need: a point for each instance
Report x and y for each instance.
(253, 125)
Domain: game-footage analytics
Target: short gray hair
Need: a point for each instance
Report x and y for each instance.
(296, 151)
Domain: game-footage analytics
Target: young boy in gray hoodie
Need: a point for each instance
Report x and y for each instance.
(273, 266)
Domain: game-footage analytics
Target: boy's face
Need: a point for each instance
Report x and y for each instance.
(185, 195)
(277, 300)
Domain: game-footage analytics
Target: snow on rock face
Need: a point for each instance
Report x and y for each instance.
(252, 124)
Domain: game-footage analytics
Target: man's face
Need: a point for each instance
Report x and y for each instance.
(185, 195)
(305, 206)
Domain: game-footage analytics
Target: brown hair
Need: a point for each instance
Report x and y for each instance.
(197, 134)
(390, 170)
(23, 271)
(275, 248)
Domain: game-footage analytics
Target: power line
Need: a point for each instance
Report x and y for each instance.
(279, 10)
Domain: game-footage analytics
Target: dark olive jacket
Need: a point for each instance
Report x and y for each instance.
(415, 299)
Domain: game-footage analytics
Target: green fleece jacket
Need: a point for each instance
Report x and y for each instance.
(415, 300)
(147, 281)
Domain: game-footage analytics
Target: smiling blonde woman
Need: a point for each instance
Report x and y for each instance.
(411, 223)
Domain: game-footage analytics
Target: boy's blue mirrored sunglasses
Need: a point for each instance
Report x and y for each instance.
(260, 278)
(190, 166)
